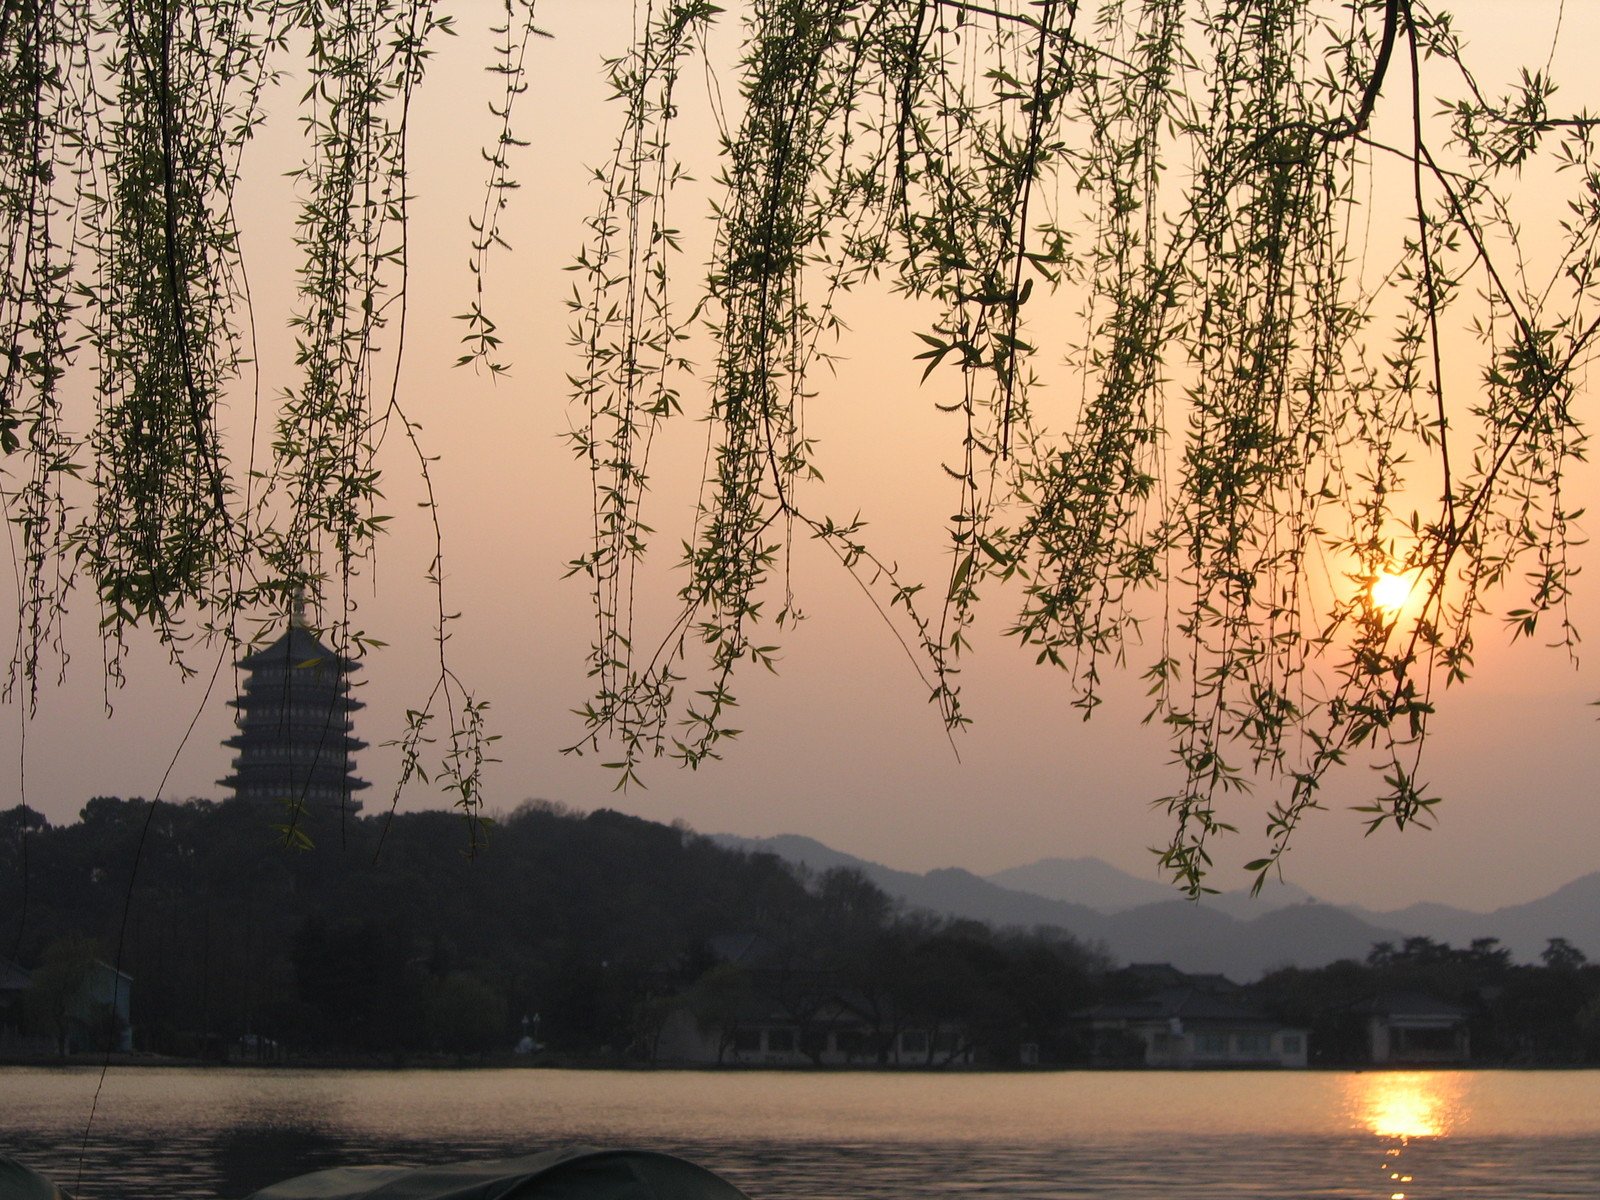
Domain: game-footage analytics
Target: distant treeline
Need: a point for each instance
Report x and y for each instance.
(388, 940)
(1537, 1015)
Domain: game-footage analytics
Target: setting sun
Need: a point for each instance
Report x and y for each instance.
(1390, 593)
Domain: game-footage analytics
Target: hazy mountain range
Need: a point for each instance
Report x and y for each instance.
(1142, 920)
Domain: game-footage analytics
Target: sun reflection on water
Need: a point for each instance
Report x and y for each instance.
(1400, 1108)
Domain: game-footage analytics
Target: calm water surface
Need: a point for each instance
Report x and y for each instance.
(1137, 1136)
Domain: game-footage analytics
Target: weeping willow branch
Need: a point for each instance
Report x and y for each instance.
(123, 129)
(1293, 335)
(1174, 190)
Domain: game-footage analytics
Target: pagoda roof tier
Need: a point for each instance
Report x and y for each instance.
(336, 744)
(260, 696)
(298, 647)
(281, 778)
(298, 716)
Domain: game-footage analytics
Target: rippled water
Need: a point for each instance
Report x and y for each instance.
(1134, 1136)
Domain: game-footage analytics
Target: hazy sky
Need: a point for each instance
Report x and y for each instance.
(841, 745)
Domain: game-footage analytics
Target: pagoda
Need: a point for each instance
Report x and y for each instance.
(294, 742)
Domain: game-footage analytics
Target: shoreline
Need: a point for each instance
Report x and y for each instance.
(165, 1062)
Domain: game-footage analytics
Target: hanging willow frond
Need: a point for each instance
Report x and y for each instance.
(123, 130)
(1265, 421)
(1240, 240)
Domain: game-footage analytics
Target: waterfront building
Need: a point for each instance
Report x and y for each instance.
(1180, 1020)
(1406, 1028)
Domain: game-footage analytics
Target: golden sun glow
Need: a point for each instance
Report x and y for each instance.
(1390, 593)
(1409, 1105)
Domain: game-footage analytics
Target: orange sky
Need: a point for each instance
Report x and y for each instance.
(841, 745)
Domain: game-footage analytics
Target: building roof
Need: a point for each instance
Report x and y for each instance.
(300, 647)
(1153, 975)
(1186, 1004)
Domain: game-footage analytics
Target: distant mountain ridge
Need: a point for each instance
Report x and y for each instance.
(1097, 884)
(1073, 879)
(1144, 921)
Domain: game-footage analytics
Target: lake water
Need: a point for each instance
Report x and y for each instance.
(1448, 1135)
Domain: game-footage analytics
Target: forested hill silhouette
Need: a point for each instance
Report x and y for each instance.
(586, 933)
(387, 937)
